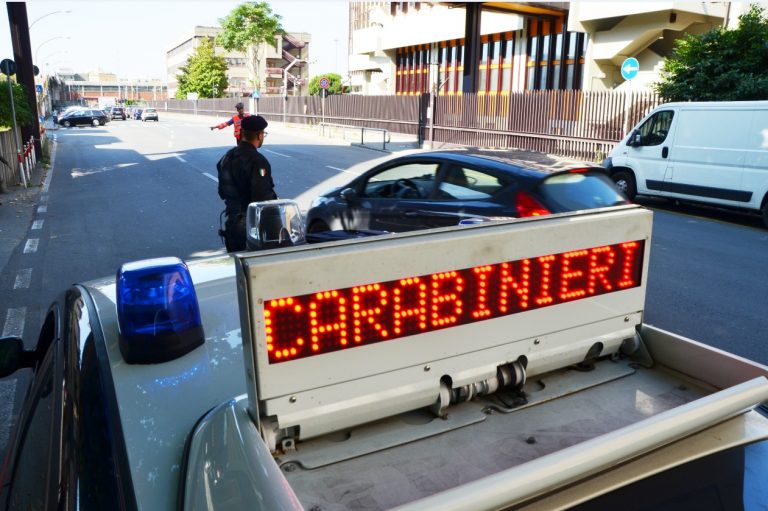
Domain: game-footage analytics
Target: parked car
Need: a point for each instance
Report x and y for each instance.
(117, 112)
(149, 114)
(137, 113)
(437, 189)
(83, 117)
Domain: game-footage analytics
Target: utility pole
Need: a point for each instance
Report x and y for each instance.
(25, 75)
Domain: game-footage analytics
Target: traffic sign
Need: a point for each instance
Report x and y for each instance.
(630, 68)
(325, 82)
(8, 67)
(39, 88)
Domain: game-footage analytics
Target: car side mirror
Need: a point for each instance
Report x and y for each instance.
(12, 356)
(348, 194)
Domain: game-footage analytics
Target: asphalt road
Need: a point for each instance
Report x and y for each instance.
(133, 190)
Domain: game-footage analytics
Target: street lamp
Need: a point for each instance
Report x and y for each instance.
(49, 14)
(48, 41)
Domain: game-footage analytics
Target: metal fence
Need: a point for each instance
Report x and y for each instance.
(579, 124)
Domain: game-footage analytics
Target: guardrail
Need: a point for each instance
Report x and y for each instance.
(385, 139)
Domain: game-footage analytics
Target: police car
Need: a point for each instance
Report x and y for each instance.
(492, 366)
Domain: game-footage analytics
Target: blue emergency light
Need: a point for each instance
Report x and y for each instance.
(157, 311)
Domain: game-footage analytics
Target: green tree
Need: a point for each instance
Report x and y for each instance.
(204, 73)
(335, 87)
(719, 65)
(25, 113)
(245, 29)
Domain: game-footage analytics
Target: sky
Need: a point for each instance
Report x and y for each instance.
(130, 38)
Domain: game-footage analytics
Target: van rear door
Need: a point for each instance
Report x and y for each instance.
(707, 156)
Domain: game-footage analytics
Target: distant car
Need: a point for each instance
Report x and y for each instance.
(83, 117)
(149, 114)
(438, 189)
(137, 113)
(117, 112)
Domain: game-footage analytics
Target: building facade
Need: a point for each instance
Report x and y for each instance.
(407, 48)
(284, 68)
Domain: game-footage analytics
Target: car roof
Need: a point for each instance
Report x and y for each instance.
(502, 159)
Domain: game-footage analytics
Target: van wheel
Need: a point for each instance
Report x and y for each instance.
(625, 182)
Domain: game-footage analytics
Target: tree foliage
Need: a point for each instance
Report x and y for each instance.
(335, 87)
(25, 113)
(204, 73)
(720, 65)
(245, 29)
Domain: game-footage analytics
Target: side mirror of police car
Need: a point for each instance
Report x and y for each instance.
(348, 193)
(274, 224)
(13, 357)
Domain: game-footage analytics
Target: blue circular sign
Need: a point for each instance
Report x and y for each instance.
(324, 82)
(629, 68)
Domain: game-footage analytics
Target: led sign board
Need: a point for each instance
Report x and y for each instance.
(338, 319)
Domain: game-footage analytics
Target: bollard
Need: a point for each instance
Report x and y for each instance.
(21, 170)
(32, 151)
(28, 160)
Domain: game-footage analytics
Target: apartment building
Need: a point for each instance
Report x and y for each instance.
(284, 68)
(407, 48)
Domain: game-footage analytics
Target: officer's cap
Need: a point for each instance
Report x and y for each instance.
(254, 123)
(239, 106)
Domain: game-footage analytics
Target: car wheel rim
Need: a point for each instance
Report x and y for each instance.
(621, 184)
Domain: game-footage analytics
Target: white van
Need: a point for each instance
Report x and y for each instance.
(714, 152)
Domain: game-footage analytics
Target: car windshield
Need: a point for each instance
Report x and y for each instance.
(579, 190)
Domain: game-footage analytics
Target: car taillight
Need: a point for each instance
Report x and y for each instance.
(528, 206)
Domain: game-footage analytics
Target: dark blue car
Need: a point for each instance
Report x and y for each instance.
(437, 189)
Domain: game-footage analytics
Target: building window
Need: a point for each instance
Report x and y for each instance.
(555, 56)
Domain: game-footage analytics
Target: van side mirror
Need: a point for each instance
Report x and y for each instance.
(348, 193)
(635, 139)
(13, 357)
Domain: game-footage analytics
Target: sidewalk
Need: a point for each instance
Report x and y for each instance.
(17, 210)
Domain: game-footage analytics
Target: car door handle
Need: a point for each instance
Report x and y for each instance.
(664, 152)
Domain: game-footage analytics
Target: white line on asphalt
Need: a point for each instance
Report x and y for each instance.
(343, 170)
(179, 158)
(42, 209)
(31, 245)
(43, 197)
(279, 154)
(14, 322)
(334, 168)
(37, 224)
(23, 278)
(210, 176)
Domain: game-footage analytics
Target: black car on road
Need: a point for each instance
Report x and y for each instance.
(84, 118)
(437, 189)
(117, 112)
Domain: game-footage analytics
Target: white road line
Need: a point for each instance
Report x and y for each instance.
(43, 197)
(179, 158)
(14, 322)
(42, 209)
(37, 224)
(211, 177)
(23, 278)
(279, 154)
(31, 245)
(343, 170)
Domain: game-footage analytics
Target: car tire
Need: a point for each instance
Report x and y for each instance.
(318, 226)
(66, 124)
(765, 211)
(95, 122)
(625, 182)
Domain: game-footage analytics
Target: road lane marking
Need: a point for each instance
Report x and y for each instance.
(279, 154)
(211, 177)
(31, 245)
(14, 322)
(37, 224)
(343, 170)
(23, 278)
(179, 158)
(42, 209)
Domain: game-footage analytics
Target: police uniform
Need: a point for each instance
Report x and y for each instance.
(245, 176)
